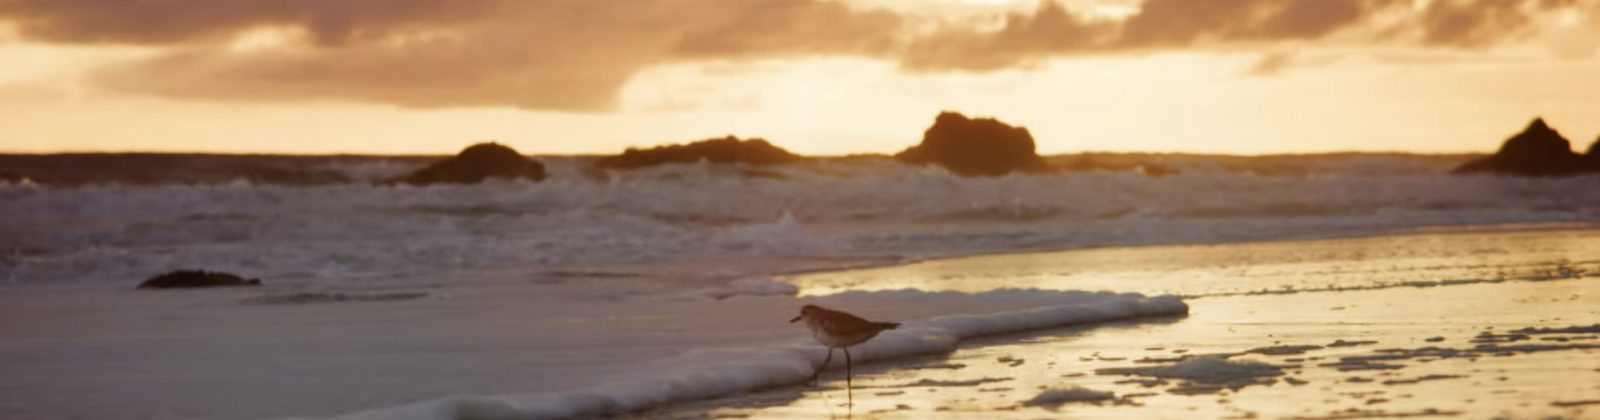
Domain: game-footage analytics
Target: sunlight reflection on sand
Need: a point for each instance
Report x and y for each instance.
(1450, 351)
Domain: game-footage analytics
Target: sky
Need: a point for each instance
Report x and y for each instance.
(822, 77)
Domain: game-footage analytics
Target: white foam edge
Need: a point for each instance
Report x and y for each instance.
(709, 373)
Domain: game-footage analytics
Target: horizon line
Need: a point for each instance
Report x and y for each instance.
(4, 152)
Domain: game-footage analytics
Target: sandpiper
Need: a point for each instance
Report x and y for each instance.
(836, 329)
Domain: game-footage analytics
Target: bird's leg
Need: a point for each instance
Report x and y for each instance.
(850, 396)
(824, 364)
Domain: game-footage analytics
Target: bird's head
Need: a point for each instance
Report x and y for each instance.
(805, 311)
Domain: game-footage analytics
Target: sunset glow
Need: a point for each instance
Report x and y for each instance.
(799, 209)
(818, 77)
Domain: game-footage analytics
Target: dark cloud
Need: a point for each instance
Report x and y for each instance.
(1184, 22)
(577, 54)
(1300, 19)
(1473, 23)
(533, 54)
(1166, 24)
(762, 27)
(170, 21)
(1050, 30)
(1159, 24)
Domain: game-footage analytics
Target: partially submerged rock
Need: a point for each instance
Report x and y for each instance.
(728, 149)
(975, 147)
(477, 163)
(188, 279)
(1537, 151)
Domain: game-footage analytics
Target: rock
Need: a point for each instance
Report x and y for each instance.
(1156, 170)
(14, 178)
(477, 163)
(728, 149)
(186, 279)
(1536, 151)
(975, 147)
(1594, 154)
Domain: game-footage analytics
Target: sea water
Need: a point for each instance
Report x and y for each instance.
(596, 292)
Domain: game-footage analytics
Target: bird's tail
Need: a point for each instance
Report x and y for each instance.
(888, 325)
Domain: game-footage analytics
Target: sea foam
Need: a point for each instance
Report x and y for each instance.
(714, 372)
(816, 215)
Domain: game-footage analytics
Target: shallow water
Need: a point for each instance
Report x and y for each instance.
(1517, 281)
(539, 340)
(1418, 258)
(1519, 385)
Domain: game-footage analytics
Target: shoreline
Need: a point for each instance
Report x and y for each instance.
(671, 270)
(1005, 271)
(1436, 229)
(1403, 352)
(453, 344)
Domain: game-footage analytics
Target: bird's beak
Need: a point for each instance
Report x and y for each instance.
(796, 319)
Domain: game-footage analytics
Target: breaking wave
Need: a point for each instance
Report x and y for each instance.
(757, 220)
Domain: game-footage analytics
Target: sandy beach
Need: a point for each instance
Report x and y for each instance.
(1374, 327)
(689, 209)
(1520, 342)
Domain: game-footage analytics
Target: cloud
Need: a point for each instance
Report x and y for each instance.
(533, 54)
(171, 21)
(1478, 23)
(1053, 29)
(1183, 22)
(575, 55)
(1174, 24)
(1272, 63)
(1050, 30)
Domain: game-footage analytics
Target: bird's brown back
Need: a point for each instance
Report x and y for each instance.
(844, 324)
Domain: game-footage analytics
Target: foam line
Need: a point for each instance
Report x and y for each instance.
(711, 373)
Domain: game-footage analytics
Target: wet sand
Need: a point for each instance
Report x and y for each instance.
(1480, 324)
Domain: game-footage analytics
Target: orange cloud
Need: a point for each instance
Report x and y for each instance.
(575, 55)
(550, 54)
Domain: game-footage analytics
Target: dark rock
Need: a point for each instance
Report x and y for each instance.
(477, 163)
(13, 178)
(724, 150)
(1594, 154)
(975, 147)
(1156, 170)
(1536, 151)
(185, 279)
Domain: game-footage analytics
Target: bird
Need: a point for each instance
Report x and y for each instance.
(840, 330)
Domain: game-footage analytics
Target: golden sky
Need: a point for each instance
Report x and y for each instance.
(813, 76)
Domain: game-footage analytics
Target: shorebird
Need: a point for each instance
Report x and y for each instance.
(840, 330)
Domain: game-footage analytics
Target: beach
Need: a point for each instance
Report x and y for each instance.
(597, 343)
(666, 291)
(1465, 346)
(799, 209)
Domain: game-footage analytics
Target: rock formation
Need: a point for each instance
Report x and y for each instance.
(724, 150)
(1536, 151)
(188, 279)
(477, 163)
(975, 147)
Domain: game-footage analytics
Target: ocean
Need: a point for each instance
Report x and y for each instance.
(101, 220)
(610, 292)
